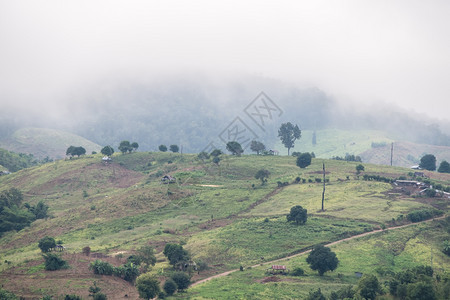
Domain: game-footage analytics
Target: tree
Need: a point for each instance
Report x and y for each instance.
(359, 168)
(216, 152)
(54, 262)
(298, 215)
(107, 150)
(322, 259)
(257, 147)
(170, 287)
(369, 286)
(147, 255)
(176, 254)
(316, 295)
(203, 155)
(235, 148)
(421, 291)
(135, 146)
(182, 280)
(263, 175)
(174, 148)
(78, 151)
(304, 160)
(147, 286)
(162, 148)
(428, 162)
(444, 167)
(216, 160)
(46, 243)
(70, 150)
(125, 146)
(288, 134)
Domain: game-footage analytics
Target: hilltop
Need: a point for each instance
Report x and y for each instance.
(45, 142)
(220, 213)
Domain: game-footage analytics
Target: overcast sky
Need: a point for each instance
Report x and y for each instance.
(365, 51)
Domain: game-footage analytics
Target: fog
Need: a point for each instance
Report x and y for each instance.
(363, 52)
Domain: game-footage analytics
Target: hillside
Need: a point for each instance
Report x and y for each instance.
(220, 213)
(43, 142)
(372, 146)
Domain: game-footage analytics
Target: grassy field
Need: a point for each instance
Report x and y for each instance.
(221, 213)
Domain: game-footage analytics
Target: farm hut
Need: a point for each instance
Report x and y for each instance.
(277, 269)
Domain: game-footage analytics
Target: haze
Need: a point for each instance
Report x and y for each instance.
(394, 52)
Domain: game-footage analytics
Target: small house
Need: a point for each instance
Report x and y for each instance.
(277, 269)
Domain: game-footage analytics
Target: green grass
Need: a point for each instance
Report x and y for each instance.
(218, 212)
(378, 254)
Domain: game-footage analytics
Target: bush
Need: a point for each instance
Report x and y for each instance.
(170, 287)
(54, 262)
(423, 214)
(86, 250)
(304, 160)
(46, 243)
(101, 267)
(182, 280)
(298, 272)
(72, 297)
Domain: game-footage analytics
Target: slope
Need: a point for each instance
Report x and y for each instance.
(43, 142)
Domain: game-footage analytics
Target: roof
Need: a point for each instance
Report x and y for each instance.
(278, 267)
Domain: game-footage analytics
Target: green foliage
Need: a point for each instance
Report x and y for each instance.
(444, 167)
(369, 287)
(421, 291)
(107, 150)
(235, 148)
(16, 161)
(134, 145)
(125, 146)
(72, 297)
(101, 267)
(288, 134)
(343, 293)
(170, 287)
(176, 254)
(174, 148)
(162, 148)
(147, 255)
(182, 280)
(5, 295)
(298, 214)
(54, 262)
(46, 244)
(446, 247)
(359, 168)
(216, 152)
(316, 295)
(263, 175)
(147, 286)
(257, 147)
(78, 151)
(130, 272)
(423, 214)
(203, 155)
(428, 162)
(298, 272)
(322, 259)
(40, 211)
(348, 157)
(304, 160)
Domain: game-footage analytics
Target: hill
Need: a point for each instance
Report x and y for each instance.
(12, 162)
(220, 213)
(45, 142)
(372, 146)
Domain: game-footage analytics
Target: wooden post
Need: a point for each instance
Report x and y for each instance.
(323, 193)
(392, 151)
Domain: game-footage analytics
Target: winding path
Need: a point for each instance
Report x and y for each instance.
(307, 251)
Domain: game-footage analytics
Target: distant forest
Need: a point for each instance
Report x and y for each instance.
(193, 113)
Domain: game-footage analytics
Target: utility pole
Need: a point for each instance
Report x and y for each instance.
(392, 151)
(323, 193)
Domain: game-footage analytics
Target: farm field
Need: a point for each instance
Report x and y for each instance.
(221, 214)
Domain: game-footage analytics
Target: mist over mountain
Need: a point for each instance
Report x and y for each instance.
(194, 110)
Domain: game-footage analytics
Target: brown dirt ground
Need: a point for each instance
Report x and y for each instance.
(75, 280)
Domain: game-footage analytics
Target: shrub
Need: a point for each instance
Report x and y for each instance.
(423, 214)
(54, 262)
(182, 280)
(298, 272)
(170, 287)
(101, 267)
(46, 243)
(86, 250)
